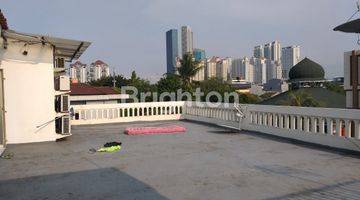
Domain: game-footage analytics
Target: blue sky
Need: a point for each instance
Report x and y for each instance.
(130, 34)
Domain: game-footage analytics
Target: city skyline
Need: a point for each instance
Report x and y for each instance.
(138, 41)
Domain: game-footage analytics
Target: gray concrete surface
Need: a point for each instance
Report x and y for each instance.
(206, 162)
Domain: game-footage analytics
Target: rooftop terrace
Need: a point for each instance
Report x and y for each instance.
(206, 162)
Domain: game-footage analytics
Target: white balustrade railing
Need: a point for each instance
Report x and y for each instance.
(127, 112)
(326, 126)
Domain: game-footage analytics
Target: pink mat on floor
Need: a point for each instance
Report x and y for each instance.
(154, 130)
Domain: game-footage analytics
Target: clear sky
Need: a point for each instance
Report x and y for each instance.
(130, 34)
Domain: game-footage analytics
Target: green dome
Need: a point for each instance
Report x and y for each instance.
(307, 70)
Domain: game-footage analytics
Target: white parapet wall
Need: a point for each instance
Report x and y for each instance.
(127, 112)
(338, 128)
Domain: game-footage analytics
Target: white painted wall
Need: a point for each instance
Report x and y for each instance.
(29, 92)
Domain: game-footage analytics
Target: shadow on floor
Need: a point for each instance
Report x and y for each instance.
(345, 190)
(107, 183)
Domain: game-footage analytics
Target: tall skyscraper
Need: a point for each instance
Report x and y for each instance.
(267, 51)
(210, 67)
(186, 40)
(199, 54)
(276, 51)
(260, 75)
(246, 70)
(222, 68)
(272, 51)
(273, 70)
(259, 51)
(290, 56)
(172, 50)
(200, 75)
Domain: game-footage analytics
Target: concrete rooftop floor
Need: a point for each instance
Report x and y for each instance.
(206, 162)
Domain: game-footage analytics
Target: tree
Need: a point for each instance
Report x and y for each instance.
(188, 69)
(215, 85)
(168, 83)
(302, 99)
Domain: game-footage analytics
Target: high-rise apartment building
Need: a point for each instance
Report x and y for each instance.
(276, 51)
(247, 70)
(271, 51)
(259, 51)
(98, 70)
(260, 75)
(186, 40)
(199, 54)
(200, 75)
(222, 68)
(172, 50)
(267, 51)
(210, 67)
(273, 70)
(290, 56)
(78, 72)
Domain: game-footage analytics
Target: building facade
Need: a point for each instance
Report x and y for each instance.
(199, 54)
(186, 40)
(98, 70)
(34, 86)
(222, 68)
(259, 51)
(260, 75)
(351, 78)
(273, 70)
(290, 56)
(276, 51)
(78, 72)
(210, 68)
(172, 50)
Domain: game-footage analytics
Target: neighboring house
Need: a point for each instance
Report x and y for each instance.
(34, 87)
(84, 94)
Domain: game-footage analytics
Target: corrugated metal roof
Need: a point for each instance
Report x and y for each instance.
(69, 49)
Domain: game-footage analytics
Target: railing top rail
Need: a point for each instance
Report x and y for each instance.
(129, 105)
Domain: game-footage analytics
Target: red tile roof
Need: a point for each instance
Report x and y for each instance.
(99, 62)
(3, 21)
(85, 89)
(77, 63)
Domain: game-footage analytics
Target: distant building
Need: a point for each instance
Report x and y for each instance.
(276, 85)
(247, 70)
(200, 75)
(290, 56)
(186, 40)
(267, 51)
(338, 80)
(242, 69)
(271, 51)
(259, 51)
(222, 68)
(306, 74)
(78, 72)
(276, 51)
(172, 50)
(199, 54)
(98, 70)
(84, 94)
(273, 70)
(259, 70)
(210, 68)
